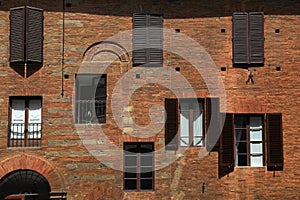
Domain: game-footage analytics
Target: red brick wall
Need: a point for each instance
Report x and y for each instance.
(89, 22)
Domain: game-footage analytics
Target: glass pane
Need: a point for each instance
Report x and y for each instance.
(130, 160)
(242, 147)
(198, 141)
(256, 148)
(241, 121)
(197, 128)
(240, 134)
(130, 175)
(184, 141)
(255, 135)
(130, 184)
(146, 184)
(130, 148)
(131, 169)
(184, 128)
(242, 160)
(256, 123)
(146, 160)
(256, 161)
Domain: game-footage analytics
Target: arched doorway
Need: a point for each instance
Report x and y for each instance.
(24, 185)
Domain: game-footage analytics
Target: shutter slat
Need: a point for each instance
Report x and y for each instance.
(34, 43)
(256, 43)
(17, 34)
(171, 126)
(227, 142)
(240, 38)
(212, 137)
(274, 137)
(139, 38)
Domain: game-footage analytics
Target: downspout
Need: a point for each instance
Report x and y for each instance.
(63, 50)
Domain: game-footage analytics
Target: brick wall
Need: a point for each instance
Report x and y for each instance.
(90, 22)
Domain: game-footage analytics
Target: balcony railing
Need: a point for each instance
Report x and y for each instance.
(20, 135)
(90, 111)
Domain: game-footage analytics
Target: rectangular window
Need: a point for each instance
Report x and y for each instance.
(248, 38)
(191, 122)
(26, 35)
(249, 140)
(147, 39)
(90, 98)
(25, 127)
(138, 166)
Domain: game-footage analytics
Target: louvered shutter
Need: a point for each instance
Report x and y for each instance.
(139, 39)
(171, 126)
(155, 39)
(212, 137)
(226, 150)
(240, 38)
(34, 35)
(256, 41)
(274, 141)
(17, 34)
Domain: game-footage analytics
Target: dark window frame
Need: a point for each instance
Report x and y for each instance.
(26, 141)
(96, 104)
(136, 154)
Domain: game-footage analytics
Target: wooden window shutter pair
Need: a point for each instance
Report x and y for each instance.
(26, 34)
(147, 39)
(248, 38)
(171, 126)
(274, 142)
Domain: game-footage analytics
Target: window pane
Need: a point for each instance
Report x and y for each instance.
(130, 184)
(256, 148)
(256, 128)
(197, 128)
(146, 160)
(240, 135)
(34, 119)
(130, 160)
(242, 160)
(256, 161)
(17, 119)
(146, 172)
(184, 128)
(241, 121)
(130, 175)
(242, 147)
(256, 135)
(146, 184)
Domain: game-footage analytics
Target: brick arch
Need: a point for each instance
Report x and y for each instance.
(40, 165)
(105, 190)
(106, 46)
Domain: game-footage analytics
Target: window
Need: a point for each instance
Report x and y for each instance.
(248, 38)
(248, 131)
(25, 127)
(26, 35)
(242, 142)
(147, 39)
(90, 98)
(138, 166)
(193, 117)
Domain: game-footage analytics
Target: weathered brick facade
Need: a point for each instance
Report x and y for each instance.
(72, 42)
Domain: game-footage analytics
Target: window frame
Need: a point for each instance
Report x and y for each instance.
(26, 141)
(138, 175)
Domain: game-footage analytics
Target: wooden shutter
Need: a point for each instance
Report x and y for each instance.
(171, 126)
(274, 141)
(256, 35)
(212, 137)
(34, 35)
(226, 150)
(139, 39)
(155, 39)
(240, 38)
(17, 34)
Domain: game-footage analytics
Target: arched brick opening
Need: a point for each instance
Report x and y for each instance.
(105, 191)
(40, 165)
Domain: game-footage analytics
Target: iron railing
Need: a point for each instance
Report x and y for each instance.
(23, 135)
(90, 111)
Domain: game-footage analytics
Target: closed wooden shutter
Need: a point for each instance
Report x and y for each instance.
(139, 39)
(17, 34)
(155, 39)
(171, 126)
(274, 141)
(240, 38)
(226, 151)
(256, 37)
(212, 137)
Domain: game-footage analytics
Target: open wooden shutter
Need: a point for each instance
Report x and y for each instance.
(226, 151)
(34, 35)
(139, 38)
(274, 141)
(155, 39)
(240, 38)
(256, 37)
(171, 126)
(17, 34)
(212, 136)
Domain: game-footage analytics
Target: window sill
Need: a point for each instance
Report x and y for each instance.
(249, 167)
(29, 148)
